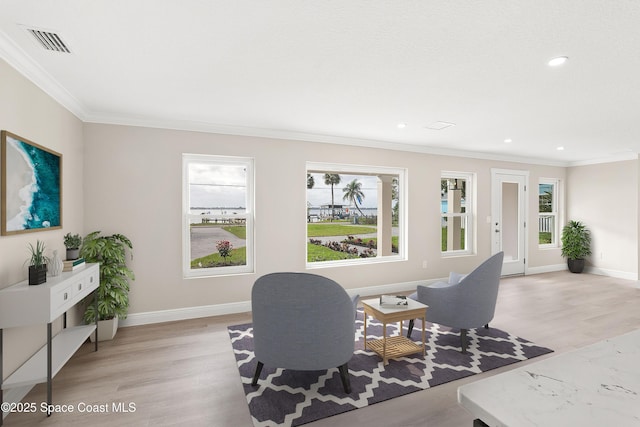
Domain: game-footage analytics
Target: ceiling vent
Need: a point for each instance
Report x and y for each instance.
(439, 125)
(49, 41)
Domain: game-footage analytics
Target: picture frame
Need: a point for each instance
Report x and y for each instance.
(31, 186)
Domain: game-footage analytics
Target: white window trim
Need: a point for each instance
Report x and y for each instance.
(556, 212)
(402, 173)
(470, 214)
(188, 272)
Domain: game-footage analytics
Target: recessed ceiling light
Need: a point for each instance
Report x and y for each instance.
(560, 148)
(402, 125)
(508, 141)
(558, 61)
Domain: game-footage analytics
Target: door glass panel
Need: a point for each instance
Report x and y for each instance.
(510, 221)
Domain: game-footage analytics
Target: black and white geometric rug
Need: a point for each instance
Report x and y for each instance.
(292, 398)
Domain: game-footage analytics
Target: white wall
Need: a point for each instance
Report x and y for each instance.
(605, 197)
(128, 180)
(133, 177)
(28, 112)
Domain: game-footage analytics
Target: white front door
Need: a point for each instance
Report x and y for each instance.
(508, 218)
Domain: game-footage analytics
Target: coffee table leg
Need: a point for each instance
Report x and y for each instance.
(365, 330)
(424, 326)
(384, 343)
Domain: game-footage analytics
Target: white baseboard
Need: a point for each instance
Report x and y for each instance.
(160, 316)
(588, 269)
(612, 273)
(546, 269)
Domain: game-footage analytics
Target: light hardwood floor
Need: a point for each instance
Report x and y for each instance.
(184, 373)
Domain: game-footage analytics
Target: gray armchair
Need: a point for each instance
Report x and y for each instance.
(302, 322)
(467, 304)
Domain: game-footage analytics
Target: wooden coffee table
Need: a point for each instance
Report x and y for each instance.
(396, 346)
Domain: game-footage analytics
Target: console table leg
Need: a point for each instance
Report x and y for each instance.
(96, 311)
(49, 369)
(1, 379)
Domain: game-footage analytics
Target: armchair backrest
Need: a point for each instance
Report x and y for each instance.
(471, 302)
(479, 290)
(302, 321)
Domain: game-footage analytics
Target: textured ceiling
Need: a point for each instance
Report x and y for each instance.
(349, 71)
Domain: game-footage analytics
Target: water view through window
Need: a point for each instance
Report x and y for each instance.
(353, 214)
(218, 215)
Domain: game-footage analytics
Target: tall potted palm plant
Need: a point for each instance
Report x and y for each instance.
(576, 245)
(113, 291)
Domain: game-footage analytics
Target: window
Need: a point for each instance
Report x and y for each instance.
(456, 213)
(548, 212)
(217, 215)
(355, 214)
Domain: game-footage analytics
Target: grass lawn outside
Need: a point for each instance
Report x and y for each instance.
(240, 231)
(321, 230)
(544, 237)
(316, 253)
(237, 257)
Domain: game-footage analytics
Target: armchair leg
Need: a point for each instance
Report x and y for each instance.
(463, 340)
(256, 375)
(344, 376)
(410, 328)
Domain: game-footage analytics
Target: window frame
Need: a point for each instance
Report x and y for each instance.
(555, 212)
(469, 215)
(348, 169)
(249, 216)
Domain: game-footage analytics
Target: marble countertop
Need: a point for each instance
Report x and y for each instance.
(596, 385)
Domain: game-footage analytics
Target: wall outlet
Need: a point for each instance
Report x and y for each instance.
(424, 264)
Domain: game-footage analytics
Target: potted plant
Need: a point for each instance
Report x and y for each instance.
(37, 264)
(72, 242)
(113, 291)
(576, 245)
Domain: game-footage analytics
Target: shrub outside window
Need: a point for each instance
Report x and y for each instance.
(218, 215)
(456, 213)
(355, 214)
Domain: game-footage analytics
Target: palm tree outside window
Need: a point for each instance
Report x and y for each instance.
(367, 225)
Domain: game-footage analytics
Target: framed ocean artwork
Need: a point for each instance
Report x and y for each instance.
(31, 186)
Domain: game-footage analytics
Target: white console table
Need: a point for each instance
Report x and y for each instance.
(598, 385)
(23, 305)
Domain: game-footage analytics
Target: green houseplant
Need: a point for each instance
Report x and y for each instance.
(72, 242)
(113, 292)
(37, 264)
(576, 245)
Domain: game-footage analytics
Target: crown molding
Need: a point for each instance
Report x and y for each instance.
(620, 157)
(30, 69)
(186, 125)
(27, 67)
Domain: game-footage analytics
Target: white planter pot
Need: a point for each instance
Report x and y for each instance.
(106, 330)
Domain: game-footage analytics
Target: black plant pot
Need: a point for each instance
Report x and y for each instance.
(37, 275)
(575, 265)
